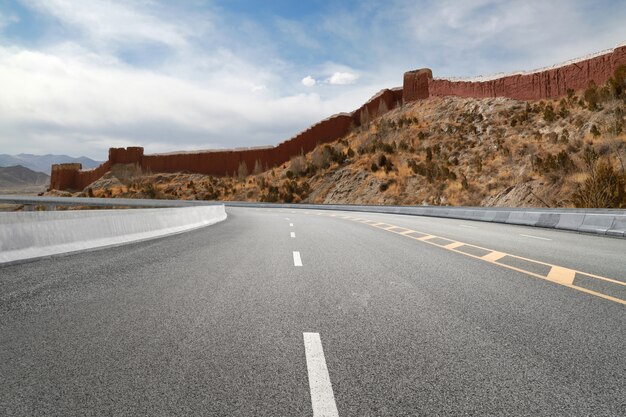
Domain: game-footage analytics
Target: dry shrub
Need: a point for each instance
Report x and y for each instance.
(242, 171)
(298, 165)
(321, 157)
(603, 188)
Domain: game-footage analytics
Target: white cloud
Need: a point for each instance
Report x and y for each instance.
(309, 81)
(173, 77)
(492, 36)
(115, 21)
(83, 104)
(342, 78)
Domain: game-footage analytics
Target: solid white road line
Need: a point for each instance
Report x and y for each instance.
(290, 224)
(535, 237)
(297, 261)
(293, 234)
(322, 397)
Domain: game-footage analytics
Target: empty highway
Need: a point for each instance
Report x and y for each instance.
(279, 312)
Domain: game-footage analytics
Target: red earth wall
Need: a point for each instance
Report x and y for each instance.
(71, 177)
(227, 162)
(548, 84)
(417, 85)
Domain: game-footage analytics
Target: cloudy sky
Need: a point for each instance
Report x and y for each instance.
(80, 76)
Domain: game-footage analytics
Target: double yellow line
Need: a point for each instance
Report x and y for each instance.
(553, 273)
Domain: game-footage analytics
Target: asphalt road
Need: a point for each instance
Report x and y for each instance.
(375, 322)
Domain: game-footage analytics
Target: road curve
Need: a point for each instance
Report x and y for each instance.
(280, 312)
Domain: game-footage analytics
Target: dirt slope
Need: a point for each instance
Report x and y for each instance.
(440, 151)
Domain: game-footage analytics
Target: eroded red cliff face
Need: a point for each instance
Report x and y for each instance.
(417, 85)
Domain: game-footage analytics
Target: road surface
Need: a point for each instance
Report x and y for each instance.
(278, 312)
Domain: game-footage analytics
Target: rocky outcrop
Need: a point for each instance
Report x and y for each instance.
(527, 194)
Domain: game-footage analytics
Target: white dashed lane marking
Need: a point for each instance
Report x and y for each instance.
(293, 234)
(297, 261)
(322, 396)
(535, 237)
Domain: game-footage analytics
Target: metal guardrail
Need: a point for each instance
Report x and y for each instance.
(610, 222)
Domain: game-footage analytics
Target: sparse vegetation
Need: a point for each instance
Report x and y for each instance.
(557, 153)
(603, 187)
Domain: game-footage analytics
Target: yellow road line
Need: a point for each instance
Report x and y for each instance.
(562, 275)
(395, 227)
(558, 274)
(493, 256)
(454, 245)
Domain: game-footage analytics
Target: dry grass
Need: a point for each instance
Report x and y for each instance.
(440, 151)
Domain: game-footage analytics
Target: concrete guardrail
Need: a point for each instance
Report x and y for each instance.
(610, 222)
(36, 234)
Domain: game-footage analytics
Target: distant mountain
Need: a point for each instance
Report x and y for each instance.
(43, 163)
(19, 177)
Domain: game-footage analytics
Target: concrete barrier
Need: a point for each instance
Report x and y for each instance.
(618, 228)
(611, 222)
(595, 223)
(29, 235)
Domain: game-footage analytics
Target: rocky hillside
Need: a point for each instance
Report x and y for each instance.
(439, 151)
(20, 179)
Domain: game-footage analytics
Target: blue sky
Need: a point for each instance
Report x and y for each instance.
(80, 76)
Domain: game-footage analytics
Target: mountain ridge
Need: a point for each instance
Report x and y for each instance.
(18, 177)
(43, 163)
